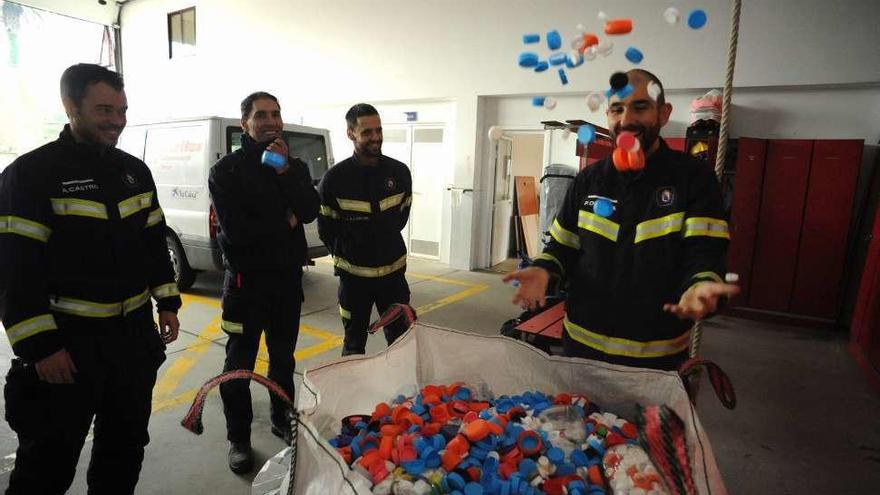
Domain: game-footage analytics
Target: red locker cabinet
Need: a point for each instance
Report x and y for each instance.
(786, 173)
(744, 212)
(820, 262)
(865, 331)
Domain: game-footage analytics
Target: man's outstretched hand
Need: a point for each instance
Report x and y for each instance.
(532, 290)
(701, 299)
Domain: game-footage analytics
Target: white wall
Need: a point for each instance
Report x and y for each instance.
(322, 53)
(87, 10)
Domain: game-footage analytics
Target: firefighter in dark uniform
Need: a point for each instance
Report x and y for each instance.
(642, 251)
(82, 250)
(261, 210)
(365, 203)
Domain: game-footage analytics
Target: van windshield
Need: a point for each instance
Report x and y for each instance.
(309, 148)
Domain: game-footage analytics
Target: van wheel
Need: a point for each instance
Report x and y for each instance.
(183, 274)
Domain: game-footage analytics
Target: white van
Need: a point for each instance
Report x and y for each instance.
(180, 153)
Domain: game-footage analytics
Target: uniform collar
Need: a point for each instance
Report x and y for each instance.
(66, 138)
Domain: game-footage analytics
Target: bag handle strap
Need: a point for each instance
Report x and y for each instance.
(392, 314)
(691, 368)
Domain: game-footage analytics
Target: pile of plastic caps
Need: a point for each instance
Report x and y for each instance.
(447, 440)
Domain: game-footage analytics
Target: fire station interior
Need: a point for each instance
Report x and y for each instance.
(493, 146)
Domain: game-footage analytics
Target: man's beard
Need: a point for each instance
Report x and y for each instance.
(371, 150)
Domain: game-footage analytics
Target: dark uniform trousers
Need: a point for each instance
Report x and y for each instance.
(116, 360)
(270, 303)
(357, 295)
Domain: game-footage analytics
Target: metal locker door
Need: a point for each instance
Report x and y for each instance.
(786, 171)
(749, 179)
(833, 175)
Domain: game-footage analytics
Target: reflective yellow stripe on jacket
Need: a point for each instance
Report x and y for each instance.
(78, 207)
(625, 347)
(30, 327)
(134, 204)
(659, 227)
(564, 237)
(231, 326)
(91, 309)
(369, 271)
(596, 224)
(329, 212)
(391, 201)
(550, 257)
(354, 205)
(165, 290)
(26, 228)
(706, 226)
(154, 217)
(344, 313)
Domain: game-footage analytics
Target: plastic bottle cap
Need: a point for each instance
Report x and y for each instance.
(274, 160)
(602, 16)
(542, 66)
(731, 278)
(594, 101)
(590, 53)
(562, 78)
(528, 59)
(672, 15)
(634, 55)
(618, 26)
(557, 58)
(626, 91)
(554, 40)
(603, 207)
(605, 47)
(628, 141)
(556, 455)
(697, 18)
(586, 134)
(549, 103)
(531, 38)
(537, 101)
(473, 489)
(618, 80)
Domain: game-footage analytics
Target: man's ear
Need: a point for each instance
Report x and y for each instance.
(665, 113)
(69, 106)
(244, 126)
(350, 133)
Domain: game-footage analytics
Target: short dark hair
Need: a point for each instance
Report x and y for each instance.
(661, 99)
(247, 104)
(77, 78)
(359, 110)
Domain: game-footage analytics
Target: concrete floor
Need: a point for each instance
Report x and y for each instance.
(806, 422)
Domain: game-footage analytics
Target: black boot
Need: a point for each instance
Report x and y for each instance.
(241, 458)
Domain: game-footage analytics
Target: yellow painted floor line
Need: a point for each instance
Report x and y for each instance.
(186, 360)
(328, 342)
(192, 298)
(458, 296)
(441, 279)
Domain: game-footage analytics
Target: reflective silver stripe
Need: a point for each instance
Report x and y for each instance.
(165, 290)
(30, 327)
(659, 227)
(26, 228)
(231, 326)
(391, 201)
(706, 226)
(78, 207)
(564, 237)
(344, 313)
(155, 217)
(91, 309)
(354, 205)
(596, 224)
(329, 212)
(135, 204)
(406, 202)
(369, 271)
(625, 347)
(550, 257)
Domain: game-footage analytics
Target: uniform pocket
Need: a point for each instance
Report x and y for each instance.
(28, 399)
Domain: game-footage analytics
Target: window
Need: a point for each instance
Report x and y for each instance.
(182, 33)
(310, 148)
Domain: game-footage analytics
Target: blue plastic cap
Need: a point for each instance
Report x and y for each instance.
(557, 58)
(626, 91)
(531, 38)
(634, 55)
(455, 481)
(564, 80)
(554, 40)
(415, 467)
(463, 393)
(579, 458)
(527, 466)
(542, 66)
(556, 455)
(571, 64)
(565, 469)
(696, 19)
(274, 160)
(473, 489)
(586, 134)
(526, 59)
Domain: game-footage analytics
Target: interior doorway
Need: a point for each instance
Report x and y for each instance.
(426, 150)
(517, 153)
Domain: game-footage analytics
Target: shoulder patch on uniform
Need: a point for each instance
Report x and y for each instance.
(129, 179)
(390, 183)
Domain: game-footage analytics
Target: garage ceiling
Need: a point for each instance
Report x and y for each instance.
(89, 10)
